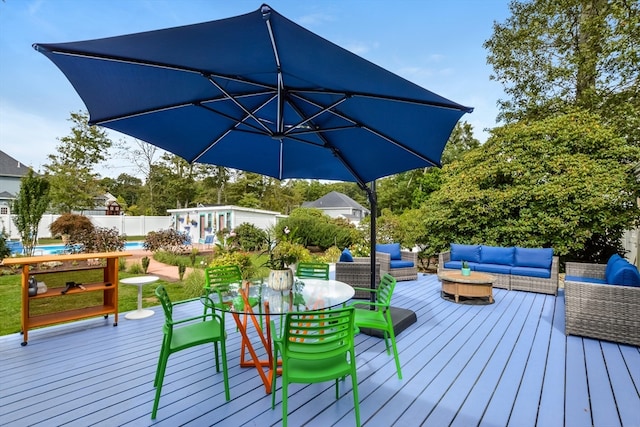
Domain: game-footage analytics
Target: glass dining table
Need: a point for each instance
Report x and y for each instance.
(254, 304)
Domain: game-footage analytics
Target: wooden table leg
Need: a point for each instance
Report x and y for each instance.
(246, 345)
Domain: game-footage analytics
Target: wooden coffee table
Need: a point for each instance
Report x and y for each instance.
(476, 285)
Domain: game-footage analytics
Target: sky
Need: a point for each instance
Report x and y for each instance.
(436, 44)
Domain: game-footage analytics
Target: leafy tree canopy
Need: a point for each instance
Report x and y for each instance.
(565, 182)
(551, 54)
(74, 184)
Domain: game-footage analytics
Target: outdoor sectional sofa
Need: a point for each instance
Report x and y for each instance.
(515, 268)
(602, 301)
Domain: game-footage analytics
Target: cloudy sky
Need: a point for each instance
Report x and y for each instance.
(436, 44)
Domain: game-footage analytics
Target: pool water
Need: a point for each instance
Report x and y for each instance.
(59, 249)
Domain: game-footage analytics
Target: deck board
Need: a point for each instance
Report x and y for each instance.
(463, 365)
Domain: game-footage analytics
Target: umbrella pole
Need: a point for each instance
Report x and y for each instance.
(402, 318)
(373, 203)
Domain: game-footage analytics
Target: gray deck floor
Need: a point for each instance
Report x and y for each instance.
(508, 363)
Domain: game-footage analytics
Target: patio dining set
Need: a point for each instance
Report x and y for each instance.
(312, 342)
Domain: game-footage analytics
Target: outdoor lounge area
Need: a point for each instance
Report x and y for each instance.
(508, 363)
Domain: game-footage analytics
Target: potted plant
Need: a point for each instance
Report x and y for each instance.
(282, 255)
(466, 271)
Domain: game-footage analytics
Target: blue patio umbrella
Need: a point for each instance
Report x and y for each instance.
(260, 93)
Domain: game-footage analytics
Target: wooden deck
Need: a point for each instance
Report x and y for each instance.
(508, 363)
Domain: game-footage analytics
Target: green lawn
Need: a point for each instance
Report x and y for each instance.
(127, 296)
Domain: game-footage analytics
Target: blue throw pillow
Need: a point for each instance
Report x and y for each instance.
(392, 249)
(346, 256)
(469, 253)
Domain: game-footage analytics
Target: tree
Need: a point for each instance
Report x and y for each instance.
(74, 184)
(409, 189)
(565, 182)
(551, 55)
(30, 204)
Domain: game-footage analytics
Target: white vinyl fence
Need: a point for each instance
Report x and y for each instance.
(129, 225)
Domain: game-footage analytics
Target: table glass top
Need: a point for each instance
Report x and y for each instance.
(306, 295)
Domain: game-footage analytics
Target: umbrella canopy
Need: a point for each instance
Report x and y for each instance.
(260, 93)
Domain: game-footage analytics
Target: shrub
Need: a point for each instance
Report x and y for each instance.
(68, 224)
(239, 258)
(248, 237)
(166, 240)
(331, 255)
(97, 239)
(136, 269)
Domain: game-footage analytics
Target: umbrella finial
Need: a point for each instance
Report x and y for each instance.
(266, 12)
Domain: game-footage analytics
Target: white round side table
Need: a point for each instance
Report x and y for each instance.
(139, 281)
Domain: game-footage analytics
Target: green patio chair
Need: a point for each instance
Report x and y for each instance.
(316, 347)
(186, 333)
(218, 279)
(376, 314)
(312, 270)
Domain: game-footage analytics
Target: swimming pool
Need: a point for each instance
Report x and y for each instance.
(59, 249)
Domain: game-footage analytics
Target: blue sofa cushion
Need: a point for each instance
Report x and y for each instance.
(534, 258)
(543, 273)
(585, 280)
(392, 249)
(493, 268)
(346, 256)
(623, 273)
(469, 253)
(400, 264)
(496, 255)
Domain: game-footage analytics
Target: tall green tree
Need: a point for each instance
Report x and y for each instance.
(551, 55)
(565, 182)
(30, 204)
(74, 183)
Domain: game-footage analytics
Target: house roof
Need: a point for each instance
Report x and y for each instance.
(12, 167)
(334, 200)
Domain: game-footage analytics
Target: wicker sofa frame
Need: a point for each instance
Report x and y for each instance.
(605, 312)
(357, 274)
(514, 282)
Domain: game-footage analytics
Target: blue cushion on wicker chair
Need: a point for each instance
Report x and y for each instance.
(623, 273)
(392, 249)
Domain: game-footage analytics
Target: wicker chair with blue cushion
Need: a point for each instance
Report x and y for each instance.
(602, 301)
(402, 265)
(356, 271)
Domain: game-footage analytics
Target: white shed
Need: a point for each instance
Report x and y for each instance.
(203, 222)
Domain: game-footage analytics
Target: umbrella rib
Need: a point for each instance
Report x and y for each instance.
(276, 56)
(334, 150)
(235, 101)
(370, 129)
(198, 102)
(452, 106)
(235, 126)
(155, 64)
(311, 118)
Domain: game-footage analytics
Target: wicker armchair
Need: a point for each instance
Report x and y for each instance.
(601, 311)
(357, 274)
(403, 273)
